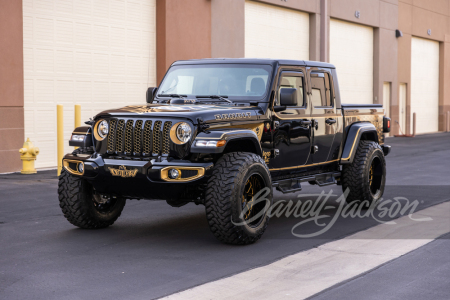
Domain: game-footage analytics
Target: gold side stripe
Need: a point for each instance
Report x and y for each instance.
(304, 166)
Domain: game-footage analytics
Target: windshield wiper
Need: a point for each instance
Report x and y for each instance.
(222, 98)
(172, 95)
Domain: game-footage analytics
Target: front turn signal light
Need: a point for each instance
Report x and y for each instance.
(221, 143)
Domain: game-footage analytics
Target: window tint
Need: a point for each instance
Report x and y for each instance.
(321, 89)
(292, 82)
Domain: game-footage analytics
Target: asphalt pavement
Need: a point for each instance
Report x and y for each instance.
(155, 250)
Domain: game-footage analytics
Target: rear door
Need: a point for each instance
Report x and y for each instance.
(323, 114)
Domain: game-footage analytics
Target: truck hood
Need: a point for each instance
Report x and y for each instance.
(209, 113)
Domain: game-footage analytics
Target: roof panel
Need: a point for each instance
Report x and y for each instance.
(254, 61)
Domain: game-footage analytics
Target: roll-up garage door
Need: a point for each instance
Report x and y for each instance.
(425, 84)
(97, 53)
(351, 51)
(275, 32)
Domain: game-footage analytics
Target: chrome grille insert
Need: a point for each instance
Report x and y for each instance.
(166, 142)
(157, 137)
(112, 136)
(139, 137)
(128, 137)
(147, 149)
(119, 135)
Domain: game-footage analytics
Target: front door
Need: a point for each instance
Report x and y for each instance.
(323, 114)
(292, 137)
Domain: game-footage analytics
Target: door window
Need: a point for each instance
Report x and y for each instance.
(321, 90)
(292, 82)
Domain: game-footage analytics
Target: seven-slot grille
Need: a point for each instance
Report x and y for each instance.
(139, 137)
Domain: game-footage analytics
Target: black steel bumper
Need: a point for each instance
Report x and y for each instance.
(138, 178)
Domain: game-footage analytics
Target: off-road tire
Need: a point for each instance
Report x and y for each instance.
(223, 200)
(356, 176)
(76, 202)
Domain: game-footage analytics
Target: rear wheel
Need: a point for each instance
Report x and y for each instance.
(238, 196)
(366, 176)
(85, 208)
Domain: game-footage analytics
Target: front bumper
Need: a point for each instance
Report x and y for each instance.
(138, 178)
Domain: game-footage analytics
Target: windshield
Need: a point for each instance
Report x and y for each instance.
(235, 81)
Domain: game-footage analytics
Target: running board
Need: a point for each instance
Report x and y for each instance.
(292, 185)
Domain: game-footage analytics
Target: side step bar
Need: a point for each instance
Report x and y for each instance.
(292, 185)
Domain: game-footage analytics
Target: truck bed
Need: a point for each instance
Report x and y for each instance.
(372, 113)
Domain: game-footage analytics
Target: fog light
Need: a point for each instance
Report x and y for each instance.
(80, 168)
(174, 173)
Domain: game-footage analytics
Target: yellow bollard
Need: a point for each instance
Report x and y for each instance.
(60, 136)
(77, 117)
(28, 155)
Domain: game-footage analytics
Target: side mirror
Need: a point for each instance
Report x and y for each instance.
(151, 92)
(288, 97)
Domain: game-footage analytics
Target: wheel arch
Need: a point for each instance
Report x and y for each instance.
(356, 133)
(242, 145)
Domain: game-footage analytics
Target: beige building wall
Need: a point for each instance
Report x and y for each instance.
(275, 32)
(391, 55)
(428, 20)
(216, 28)
(73, 55)
(11, 85)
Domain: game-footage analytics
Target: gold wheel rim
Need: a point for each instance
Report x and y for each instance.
(252, 187)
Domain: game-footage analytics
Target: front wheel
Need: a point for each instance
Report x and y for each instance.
(85, 208)
(365, 177)
(238, 196)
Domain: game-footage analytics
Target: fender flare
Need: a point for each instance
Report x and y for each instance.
(353, 137)
(231, 134)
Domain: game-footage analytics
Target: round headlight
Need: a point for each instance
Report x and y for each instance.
(183, 132)
(103, 129)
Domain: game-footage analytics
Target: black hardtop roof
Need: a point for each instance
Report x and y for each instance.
(265, 61)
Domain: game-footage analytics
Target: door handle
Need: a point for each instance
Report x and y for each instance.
(330, 121)
(305, 122)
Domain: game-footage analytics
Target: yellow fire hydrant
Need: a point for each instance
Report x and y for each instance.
(28, 155)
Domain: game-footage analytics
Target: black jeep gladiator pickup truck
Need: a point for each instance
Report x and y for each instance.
(221, 132)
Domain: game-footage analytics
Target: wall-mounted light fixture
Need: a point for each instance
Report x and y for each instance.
(429, 31)
(398, 33)
(357, 14)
